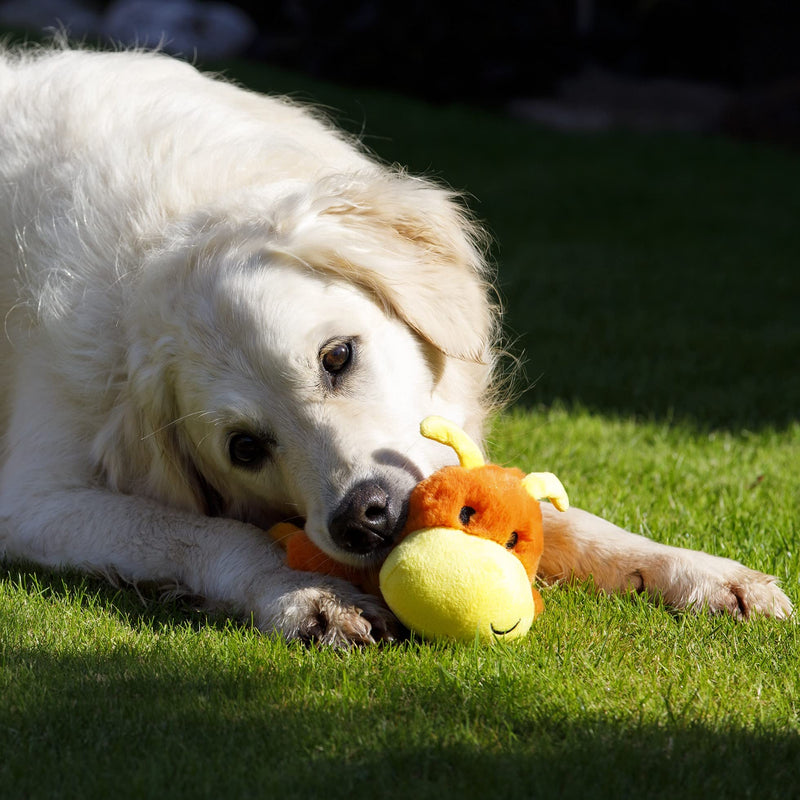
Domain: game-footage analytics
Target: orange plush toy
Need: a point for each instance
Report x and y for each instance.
(469, 552)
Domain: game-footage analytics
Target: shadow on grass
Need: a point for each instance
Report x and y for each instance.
(597, 759)
(659, 278)
(136, 725)
(140, 607)
(706, 349)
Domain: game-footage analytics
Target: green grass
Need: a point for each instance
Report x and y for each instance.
(654, 283)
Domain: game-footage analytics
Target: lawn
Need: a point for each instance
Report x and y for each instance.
(653, 285)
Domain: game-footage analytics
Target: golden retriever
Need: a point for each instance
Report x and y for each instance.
(221, 313)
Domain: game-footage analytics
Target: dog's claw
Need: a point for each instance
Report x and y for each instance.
(759, 597)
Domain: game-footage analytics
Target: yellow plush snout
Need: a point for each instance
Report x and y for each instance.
(441, 582)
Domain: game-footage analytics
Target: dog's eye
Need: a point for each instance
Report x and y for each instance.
(512, 541)
(246, 450)
(336, 356)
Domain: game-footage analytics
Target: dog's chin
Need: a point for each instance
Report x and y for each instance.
(366, 561)
(370, 560)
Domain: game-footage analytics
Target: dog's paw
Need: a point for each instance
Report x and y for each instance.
(334, 618)
(720, 585)
(748, 593)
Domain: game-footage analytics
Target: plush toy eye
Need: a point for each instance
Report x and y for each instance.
(512, 541)
(465, 515)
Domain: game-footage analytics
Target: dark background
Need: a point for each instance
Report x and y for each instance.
(746, 54)
(494, 51)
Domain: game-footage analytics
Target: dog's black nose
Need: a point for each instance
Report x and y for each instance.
(366, 520)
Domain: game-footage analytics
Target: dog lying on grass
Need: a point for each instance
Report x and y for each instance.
(221, 313)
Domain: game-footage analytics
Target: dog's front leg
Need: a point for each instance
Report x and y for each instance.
(580, 545)
(231, 565)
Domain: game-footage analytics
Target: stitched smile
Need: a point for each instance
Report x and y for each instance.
(507, 630)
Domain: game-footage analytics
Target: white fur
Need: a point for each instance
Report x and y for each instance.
(175, 253)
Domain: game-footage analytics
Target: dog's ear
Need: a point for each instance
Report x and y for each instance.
(414, 247)
(141, 448)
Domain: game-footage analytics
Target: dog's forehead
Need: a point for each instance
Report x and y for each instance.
(290, 306)
(268, 327)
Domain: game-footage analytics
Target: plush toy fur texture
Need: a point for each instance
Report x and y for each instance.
(487, 501)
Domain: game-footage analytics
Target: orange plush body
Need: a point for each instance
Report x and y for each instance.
(303, 554)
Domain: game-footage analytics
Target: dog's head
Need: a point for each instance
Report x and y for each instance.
(281, 360)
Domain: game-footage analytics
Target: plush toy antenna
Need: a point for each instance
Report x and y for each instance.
(546, 486)
(443, 431)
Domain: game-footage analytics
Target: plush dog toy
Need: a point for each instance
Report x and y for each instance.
(469, 552)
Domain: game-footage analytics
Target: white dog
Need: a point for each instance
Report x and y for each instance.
(220, 313)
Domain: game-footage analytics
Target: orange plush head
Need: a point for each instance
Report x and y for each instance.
(486, 501)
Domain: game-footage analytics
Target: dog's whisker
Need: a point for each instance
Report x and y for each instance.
(174, 422)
